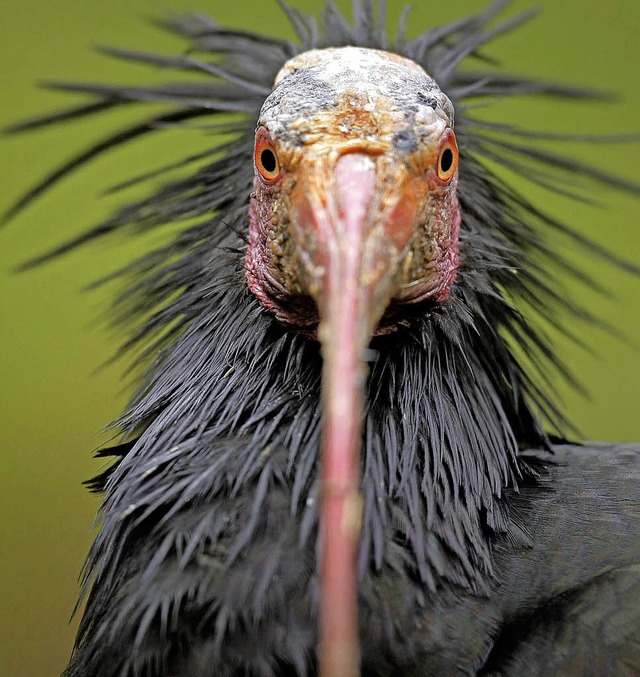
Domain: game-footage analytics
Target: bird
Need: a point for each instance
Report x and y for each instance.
(343, 456)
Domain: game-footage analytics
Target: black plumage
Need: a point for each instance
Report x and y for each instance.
(487, 546)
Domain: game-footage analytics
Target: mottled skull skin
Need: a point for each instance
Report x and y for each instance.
(329, 102)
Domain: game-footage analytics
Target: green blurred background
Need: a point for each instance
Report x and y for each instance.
(53, 398)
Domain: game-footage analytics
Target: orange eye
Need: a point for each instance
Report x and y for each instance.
(266, 158)
(448, 157)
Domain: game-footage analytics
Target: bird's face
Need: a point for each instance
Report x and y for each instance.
(355, 183)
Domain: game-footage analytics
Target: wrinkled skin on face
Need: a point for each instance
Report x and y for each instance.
(327, 104)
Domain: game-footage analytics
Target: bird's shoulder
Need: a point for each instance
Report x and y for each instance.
(570, 604)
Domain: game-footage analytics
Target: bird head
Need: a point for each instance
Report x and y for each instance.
(354, 201)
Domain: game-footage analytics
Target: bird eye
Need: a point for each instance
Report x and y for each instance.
(448, 157)
(266, 158)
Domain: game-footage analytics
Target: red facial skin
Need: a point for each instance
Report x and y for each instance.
(341, 233)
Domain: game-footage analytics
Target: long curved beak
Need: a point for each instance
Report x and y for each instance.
(353, 216)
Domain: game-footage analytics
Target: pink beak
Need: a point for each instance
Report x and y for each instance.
(354, 216)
